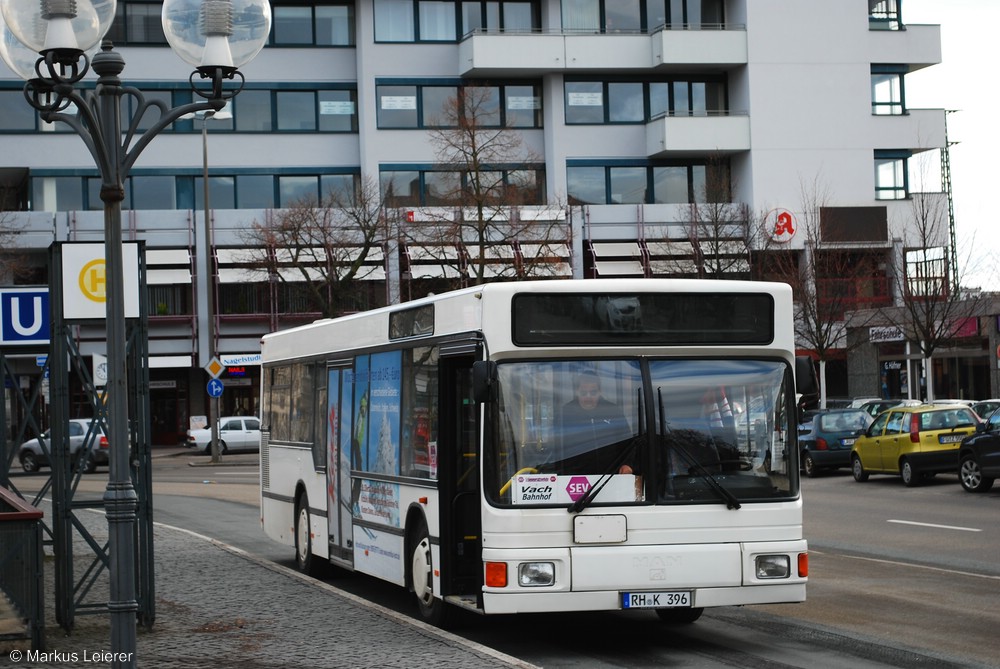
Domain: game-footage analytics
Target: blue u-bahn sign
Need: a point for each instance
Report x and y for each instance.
(24, 316)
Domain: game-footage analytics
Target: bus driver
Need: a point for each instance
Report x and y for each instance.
(591, 422)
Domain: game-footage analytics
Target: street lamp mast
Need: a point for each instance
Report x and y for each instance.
(216, 37)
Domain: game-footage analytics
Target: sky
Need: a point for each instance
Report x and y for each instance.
(965, 81)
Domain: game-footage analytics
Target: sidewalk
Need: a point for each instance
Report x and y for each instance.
(217, 606)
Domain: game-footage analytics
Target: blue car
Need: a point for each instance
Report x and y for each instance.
(825, 442)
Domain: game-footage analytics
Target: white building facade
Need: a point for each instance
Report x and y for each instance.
(631, 112)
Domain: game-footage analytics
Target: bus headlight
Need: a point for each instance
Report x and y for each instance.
(536, 574)
(772, 566)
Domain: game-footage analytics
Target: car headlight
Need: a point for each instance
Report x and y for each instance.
(536, 574)
(772, 566)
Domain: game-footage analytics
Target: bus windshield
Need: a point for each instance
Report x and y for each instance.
(640, 431)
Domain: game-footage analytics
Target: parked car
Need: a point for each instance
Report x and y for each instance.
(825, 443)
(236, 433)
(979, 456)
(913, 442)
(859, 402)
(984, 408)
(82, 432)
(875, 407)
(965, 403)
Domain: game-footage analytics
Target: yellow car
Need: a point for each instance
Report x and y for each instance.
(913, 442)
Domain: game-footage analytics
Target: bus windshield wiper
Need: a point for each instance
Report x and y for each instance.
(732, 502)
(619, 460)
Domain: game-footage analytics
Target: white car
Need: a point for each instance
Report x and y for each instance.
(236, 433)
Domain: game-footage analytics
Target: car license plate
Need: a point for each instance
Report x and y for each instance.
(950, 438)
(656, 600)
(847, 442)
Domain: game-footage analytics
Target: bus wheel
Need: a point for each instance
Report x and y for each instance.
(303, 537)
(432, 609)
(679, 616)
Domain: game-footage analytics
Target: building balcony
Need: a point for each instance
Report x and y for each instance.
(676, 135)
(522, 54)
(918, 46)
(918, 130)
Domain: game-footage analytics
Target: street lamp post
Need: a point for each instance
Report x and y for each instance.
(213, 402)
(216, 37)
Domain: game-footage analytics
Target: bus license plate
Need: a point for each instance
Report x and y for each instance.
(656, 600)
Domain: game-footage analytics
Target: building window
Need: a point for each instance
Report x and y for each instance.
(154, 192)
(449, 20)
(491, 16)
(221, 192)
(137, 22)
(887, 93)
(436, 20)
(57, 194)
(254, 111)
(884, 15)
(891, 175)
(632, 16)
(406, 106)
(255, 191)
(418, 188)
(324, 110)
(15, 113)
(320, 24)
(597, 102)
(647, 184)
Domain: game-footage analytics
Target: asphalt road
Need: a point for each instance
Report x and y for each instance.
(899, 577)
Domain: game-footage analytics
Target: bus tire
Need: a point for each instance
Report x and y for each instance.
(679, 616)
(432, 609)
(304, 560)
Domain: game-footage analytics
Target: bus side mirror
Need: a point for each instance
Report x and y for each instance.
(484, 377)
(805, 376)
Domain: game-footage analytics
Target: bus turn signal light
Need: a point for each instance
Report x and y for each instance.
(496, 574)
(803, 565)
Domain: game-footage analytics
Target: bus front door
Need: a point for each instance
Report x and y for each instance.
(461, 526)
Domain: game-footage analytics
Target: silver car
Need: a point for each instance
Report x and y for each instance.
(83, 432)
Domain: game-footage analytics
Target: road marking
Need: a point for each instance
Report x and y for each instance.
(908, 564)
(940, 527)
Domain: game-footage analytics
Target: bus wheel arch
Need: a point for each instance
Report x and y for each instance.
(302, 530)
(420, 570)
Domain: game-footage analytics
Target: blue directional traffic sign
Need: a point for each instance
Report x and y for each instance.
(215, 388)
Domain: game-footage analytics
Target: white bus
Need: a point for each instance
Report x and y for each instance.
(602, 444)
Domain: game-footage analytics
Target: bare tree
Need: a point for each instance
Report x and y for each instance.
(931, 307)
(718, 228)
(321, 249)
(13, 264)
(827, 280)
(484, 213)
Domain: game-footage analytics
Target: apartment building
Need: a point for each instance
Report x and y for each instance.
(656, 138)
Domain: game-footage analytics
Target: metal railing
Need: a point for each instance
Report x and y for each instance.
(21, 575)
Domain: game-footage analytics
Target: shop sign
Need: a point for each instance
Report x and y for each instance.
(885, 333)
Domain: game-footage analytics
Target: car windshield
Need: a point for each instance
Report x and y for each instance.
(645, 431)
